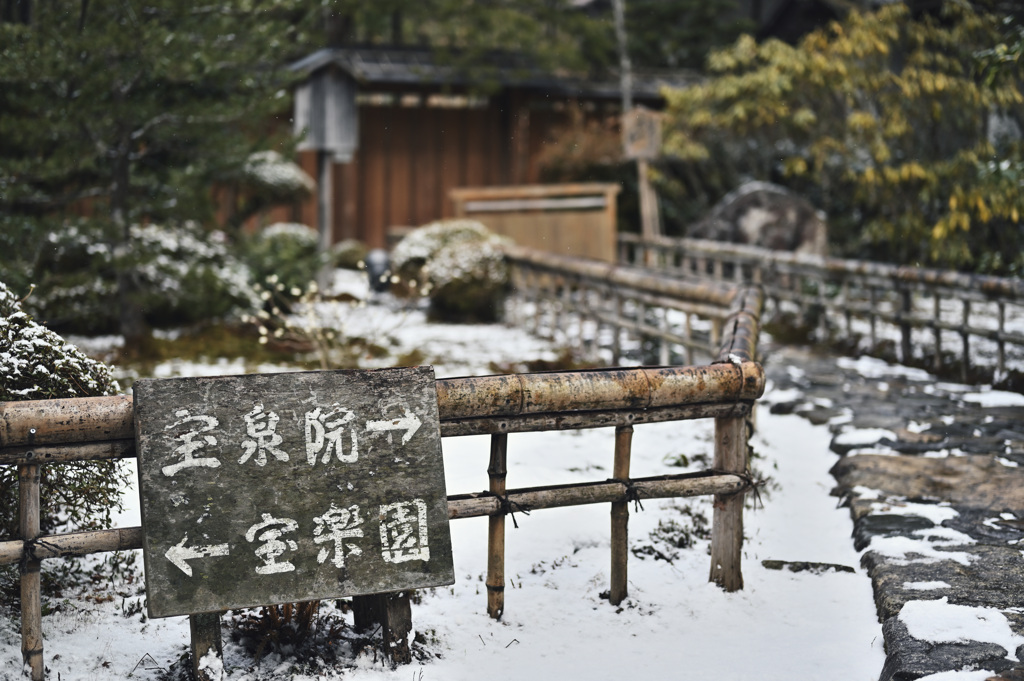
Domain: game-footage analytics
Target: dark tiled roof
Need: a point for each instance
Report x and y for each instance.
(413, 66)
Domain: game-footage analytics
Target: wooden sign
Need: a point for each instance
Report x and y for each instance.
(276, 488)
(641, 134)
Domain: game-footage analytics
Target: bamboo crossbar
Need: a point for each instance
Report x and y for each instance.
(45, 428)
(459, 506)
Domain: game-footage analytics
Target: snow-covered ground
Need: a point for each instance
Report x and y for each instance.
(674, 624)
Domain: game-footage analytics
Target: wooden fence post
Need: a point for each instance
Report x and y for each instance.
(393, 612)
(31, 597)
(727, 524)
(906, 307)
(205, 630)
(496, 471)
(620, 516)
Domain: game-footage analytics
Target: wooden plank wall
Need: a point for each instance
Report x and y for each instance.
(410, 158)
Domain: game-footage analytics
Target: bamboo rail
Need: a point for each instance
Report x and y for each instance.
(568, 293)
(100, 428)
(936, 317)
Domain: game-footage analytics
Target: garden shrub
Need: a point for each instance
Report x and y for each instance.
(349, 254)
(461, 267)
(288, 252)
(37, 364)
(184, 276)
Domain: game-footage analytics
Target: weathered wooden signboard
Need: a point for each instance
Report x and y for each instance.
(276, 488)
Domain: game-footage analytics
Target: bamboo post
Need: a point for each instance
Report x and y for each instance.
(206, 642)
(689, 339)
(496, 471)
(906, 305)
(966, 340)
(617, 330)
(31, 598)
(847, 313)
(872, 318)
(664, 349)
(727, 523)
(620, 516)
(1000, 343)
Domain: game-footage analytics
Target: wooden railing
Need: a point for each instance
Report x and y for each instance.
(34, 434)
(943, 320)
(632, 314)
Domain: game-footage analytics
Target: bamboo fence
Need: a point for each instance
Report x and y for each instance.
(933, 318)
(33, 434)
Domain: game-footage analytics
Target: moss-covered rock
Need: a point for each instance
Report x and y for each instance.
(461, 265)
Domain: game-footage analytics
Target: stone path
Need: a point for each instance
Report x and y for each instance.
(934, 481)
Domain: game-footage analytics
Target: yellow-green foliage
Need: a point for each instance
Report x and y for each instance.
(885, 120)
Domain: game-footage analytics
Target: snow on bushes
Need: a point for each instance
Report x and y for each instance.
(287, 251)
(269, 171)
(461, 263)
(184, 275)
(37, 364)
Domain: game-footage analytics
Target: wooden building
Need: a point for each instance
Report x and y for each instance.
(417, 130)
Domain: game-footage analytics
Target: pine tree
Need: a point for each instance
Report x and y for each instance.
(128, 112)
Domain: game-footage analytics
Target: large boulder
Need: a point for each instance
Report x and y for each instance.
(766, 215)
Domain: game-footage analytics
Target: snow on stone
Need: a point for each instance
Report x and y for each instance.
(936, 513)
(940, 621)
(858, 437)
(907, 550)
(925, 586)
(870, 367)
(958, 675)
(994, 398)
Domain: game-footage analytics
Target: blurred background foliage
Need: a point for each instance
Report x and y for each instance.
(905, 127)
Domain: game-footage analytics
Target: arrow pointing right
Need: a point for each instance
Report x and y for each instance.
(179, 553)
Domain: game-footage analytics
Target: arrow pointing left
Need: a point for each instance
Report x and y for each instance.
(179, 553)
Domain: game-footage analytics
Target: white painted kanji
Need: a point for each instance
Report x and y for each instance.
(403, 531)
(261, 427)
(335, 526)
(192, 440)
(323, 435)
(269, 533)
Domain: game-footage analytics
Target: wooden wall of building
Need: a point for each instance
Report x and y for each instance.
(411, 157)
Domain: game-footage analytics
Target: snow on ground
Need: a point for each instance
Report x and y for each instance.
(674, 624)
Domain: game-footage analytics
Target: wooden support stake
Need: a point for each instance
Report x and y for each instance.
(393, 613)
(31, 596)
(936, 319)
(620, 517)
(727, 524)
(206, 646)
(496, 471)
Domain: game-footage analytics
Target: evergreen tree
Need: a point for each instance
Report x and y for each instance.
(129, 112)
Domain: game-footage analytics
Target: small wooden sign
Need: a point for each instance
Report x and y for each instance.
(641, 134)
(276, 488)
